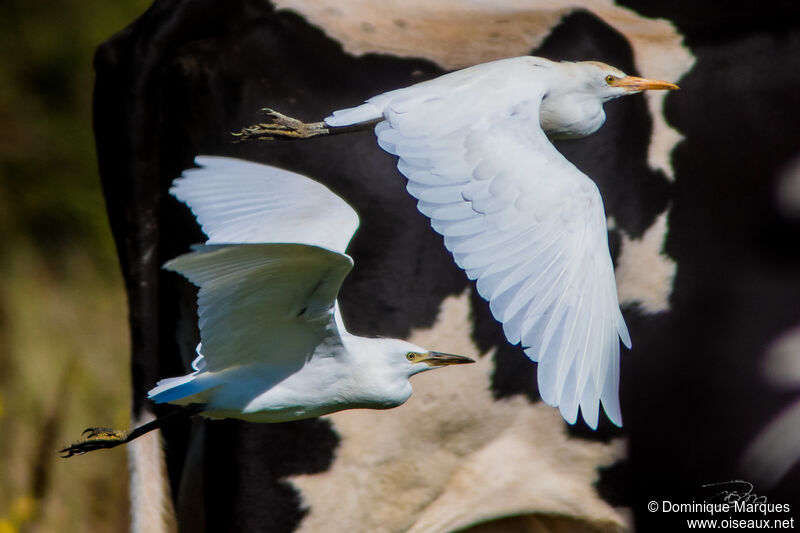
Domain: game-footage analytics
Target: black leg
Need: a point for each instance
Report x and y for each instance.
(284, 128)
(102, 438)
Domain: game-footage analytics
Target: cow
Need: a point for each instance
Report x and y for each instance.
(706, 266)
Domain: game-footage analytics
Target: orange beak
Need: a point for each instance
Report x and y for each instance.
(635, 85)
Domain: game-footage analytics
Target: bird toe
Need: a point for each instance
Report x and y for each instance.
(95, 439)
(103, 433)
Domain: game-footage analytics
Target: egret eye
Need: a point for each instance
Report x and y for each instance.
(411, 356)
(610, 79)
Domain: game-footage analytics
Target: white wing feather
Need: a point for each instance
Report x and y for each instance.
(270, 303)
(238, 201)
(271, 269)
(518, 218)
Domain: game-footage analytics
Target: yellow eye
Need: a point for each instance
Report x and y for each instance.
(411, 356)
(610, 79)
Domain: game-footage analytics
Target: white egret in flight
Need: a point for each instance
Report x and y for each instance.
(273, 345)
(518, 218)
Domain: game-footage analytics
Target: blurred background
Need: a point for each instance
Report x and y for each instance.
(63, 330)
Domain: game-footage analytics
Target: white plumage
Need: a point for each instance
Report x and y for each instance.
(273, 344)
(519, 218)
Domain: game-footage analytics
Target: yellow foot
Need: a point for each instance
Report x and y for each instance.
(281, 127)
(96, 439)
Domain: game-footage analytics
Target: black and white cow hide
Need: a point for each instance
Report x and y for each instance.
(707, 268)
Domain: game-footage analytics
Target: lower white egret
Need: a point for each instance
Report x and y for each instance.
(515, 214)
(273, 345)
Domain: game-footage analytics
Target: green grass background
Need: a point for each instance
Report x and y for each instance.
(63, 329)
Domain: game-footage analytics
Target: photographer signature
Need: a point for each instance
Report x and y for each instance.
(736, 490)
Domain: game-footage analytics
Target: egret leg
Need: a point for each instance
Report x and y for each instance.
(284, 127)
(101, 438)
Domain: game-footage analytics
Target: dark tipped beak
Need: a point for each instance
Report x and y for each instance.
(445, 359)
(635, 85)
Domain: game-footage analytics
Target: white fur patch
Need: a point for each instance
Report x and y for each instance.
(151, 503)
(645, 274)
(776, 449)
(788, 189)
(453, 456)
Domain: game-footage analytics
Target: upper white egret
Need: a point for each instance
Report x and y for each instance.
(273, 345)
(516, 215)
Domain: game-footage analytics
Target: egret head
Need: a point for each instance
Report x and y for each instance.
(573, 103)
(608, 82)
(385, 366)
(419, 361)
(406, 359)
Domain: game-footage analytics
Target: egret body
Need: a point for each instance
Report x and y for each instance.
(518, 218)
(273, 345)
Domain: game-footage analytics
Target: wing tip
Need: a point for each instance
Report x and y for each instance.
(591, 415)
(613, 412)
(622, 330)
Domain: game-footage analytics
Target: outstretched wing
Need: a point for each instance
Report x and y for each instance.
(272, 303)
(237, 201)
(273, 264)
(518, 218)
